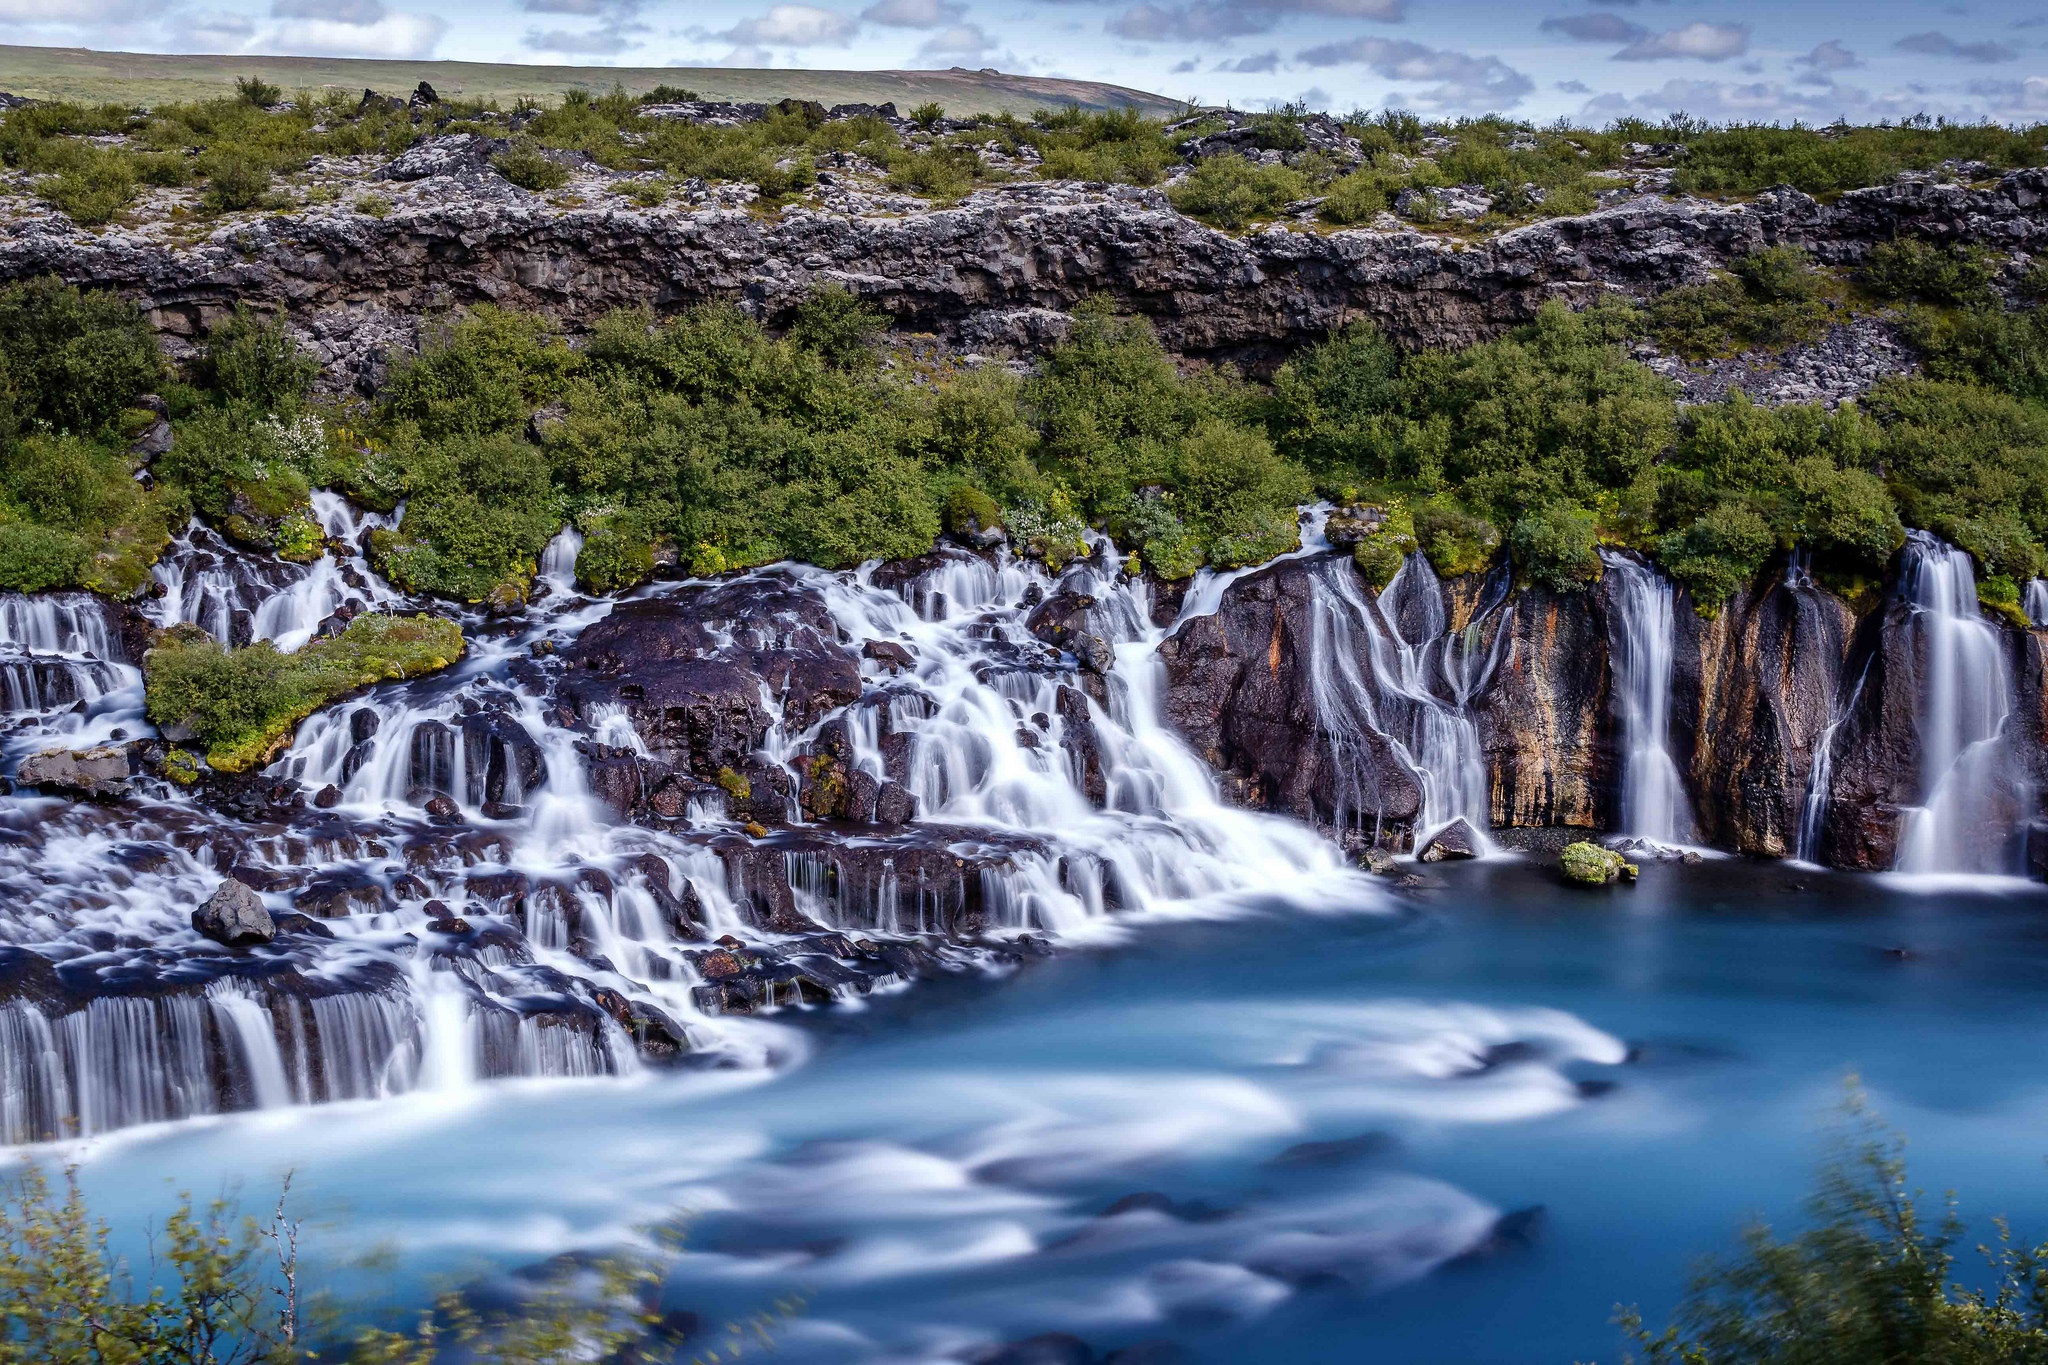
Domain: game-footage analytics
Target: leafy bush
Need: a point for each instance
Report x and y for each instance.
(1719, 554)
(254, 360)
(1917, 270)
(1230, 191)
(1456, 541)
(927, 115)
(481, 509)
(1868, 1280)
(1746, 159)
(836, 326)
(93, 189)
(526, 165)
(71, 359)
(485, 373)
(1557, 546)
(1358, 197)
(244, 704)
(1774, 300)
(257, 91)
(943, 172)
(235, 180)
(616, 555)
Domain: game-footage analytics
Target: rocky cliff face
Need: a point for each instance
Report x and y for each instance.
(1800, 727)
(998, 269)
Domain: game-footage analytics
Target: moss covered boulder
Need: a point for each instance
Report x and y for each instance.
(1588, 864)
(243, 705)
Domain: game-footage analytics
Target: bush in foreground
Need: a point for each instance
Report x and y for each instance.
(1872, 1280)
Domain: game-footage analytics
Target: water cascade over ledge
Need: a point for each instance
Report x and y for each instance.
(540, 927)
(1642, 631)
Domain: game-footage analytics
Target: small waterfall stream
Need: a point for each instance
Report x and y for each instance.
(1642, 631)
(1422, 677)
(1965, 692)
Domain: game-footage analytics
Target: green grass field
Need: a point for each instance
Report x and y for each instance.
(148, 78)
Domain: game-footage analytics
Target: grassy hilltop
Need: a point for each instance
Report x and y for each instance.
(71, 73)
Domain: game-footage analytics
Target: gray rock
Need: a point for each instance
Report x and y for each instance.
(234, 915)
(458, 154)
(102, 771)
(1454, 841)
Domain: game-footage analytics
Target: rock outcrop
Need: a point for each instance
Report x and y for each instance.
(1000, 268)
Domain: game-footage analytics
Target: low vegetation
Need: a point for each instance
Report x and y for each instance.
(242, 705)
(225, 1288)
(1874, 1277)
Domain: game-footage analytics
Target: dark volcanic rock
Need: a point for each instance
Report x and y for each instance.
(1240, 689)
(234, 915)
(99, 772)
(1543, 718)
(702, 714)
(1454, 841)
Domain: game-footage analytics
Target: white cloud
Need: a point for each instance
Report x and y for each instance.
(960, 45)
(1697, 41)
(1204, 19)
(341, 11)
(1258, 64)
(395, 36)
(1463, 81)
(78, 12)
(793, 26)
(914, 13)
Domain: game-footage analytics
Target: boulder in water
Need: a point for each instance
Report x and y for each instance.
(234, 915)
(1588, 864)
(1454, 841)
(1379, 862)
(101, 771)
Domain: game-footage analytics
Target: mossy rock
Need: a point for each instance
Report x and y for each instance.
(1380, 556)
(244, 705)
(969, 511)
(1588, 864)
(736, 786)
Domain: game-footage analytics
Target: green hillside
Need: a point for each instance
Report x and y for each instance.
(150, 78)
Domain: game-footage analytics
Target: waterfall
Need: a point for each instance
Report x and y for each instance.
(1417, 699)
(1641, 635)
(1965, 695)
(2037, 601)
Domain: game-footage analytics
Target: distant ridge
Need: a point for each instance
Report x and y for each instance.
(151, 78)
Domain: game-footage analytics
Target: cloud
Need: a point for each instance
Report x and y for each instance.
(959, 45)
(1258, 64)
(1204, 19)
(1829, 56)
(78, 12)
(914, 13)
(608, 39)
(2014, 97)
(395, 36)
(1595, 28)
(793, 26)
(1152, 22)
(341, 11)
(1463, 81)
(1575, 87)
(1937, 44)
(1696, 42)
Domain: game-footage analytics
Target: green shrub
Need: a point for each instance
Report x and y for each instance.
(1456, 541)
(526, 165)
(836, 326)
(37, 558)
(1719, 554)
(235, 180)
(1557, 546)
(1230, 191)
(2005, 349)
(255, 360)
(71, 359)
(1379, 557)
(616, 555)
(927, 115)
(943, 172)
(1358, 197)
(969, 510)
(1773, 301)
(1917, 270)
(94, 190)
(1846, 515)
(257, 91)
(1336, 407)
(480, 510)
(485, 373)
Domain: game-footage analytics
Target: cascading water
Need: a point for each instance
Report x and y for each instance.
(1813, 811)
(1418, 694)
(534, 931)
(1654, 806)
(1965, 697)
(2037, 601)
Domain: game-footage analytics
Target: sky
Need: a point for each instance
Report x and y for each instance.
(1589, 60)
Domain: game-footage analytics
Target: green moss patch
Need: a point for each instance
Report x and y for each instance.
(243, 705)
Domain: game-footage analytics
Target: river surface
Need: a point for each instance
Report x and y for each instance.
(1324, 1112)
